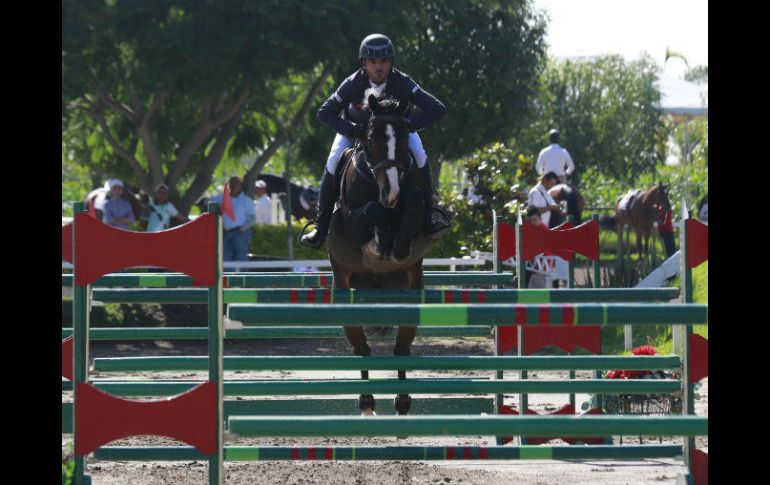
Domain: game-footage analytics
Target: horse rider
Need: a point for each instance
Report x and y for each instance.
(376, 55)
(556, 159)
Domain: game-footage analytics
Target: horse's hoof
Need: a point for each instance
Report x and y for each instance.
(368, 412)
(402, 403)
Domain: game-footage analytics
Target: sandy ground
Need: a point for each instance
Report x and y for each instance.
(527, 472)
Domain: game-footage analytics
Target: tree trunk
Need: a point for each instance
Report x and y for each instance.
(283, 136)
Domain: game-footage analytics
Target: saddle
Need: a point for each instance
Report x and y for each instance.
(628, 201)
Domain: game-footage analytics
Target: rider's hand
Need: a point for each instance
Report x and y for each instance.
(359, 130)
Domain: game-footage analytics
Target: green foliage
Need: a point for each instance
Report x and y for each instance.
(698, 74)
(502, 177)
(67, 466)
(482, 59)
(607, 111)
(163, 84)
(271, 241)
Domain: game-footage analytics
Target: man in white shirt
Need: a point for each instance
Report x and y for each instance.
(542, 200)
(556, 159)
(262, 204)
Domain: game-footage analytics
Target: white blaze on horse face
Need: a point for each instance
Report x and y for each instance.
(392, 172)
(391, 141)
(393, 181)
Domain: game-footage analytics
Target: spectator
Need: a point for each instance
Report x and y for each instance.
(157, 214)
(533, 216)
(666, 229)
(117, 211)
(542, 200)
(535, 279)
(237, 232)
(263, 206)
(703, 209)
(556, 159)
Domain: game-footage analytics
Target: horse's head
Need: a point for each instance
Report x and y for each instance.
(661, 193)
(387, 146)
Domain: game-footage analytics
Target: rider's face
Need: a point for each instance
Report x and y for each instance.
(377, 69)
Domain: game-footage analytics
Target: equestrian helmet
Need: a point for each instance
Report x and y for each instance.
(376, 46)
(553, 136)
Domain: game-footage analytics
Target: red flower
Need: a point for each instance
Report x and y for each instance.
(645, 350)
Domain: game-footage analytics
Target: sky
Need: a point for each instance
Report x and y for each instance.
(628, 27)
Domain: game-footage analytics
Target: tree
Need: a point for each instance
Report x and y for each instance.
(483, 60)
(167, 83)
(608, 113)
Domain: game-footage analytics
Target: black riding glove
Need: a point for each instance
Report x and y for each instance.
(358, 131)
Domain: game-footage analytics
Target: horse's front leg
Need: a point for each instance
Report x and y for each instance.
(413, 212)
(357, 338)
(403, 402)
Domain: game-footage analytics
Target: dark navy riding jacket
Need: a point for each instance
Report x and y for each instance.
(399, 85)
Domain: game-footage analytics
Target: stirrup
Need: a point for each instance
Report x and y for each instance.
(302, 232)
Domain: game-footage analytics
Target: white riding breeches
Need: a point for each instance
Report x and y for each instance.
(341, 142)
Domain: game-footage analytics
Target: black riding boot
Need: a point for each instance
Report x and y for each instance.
(427, 190)
(326, 200)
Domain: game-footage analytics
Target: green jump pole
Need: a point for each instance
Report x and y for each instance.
(351, 295)
(409, 363)
(422, 453)
(460, 425)
(468, 314)
(283, 280)
(200, 333)
(395, 386)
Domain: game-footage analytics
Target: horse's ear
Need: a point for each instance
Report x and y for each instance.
(374, 105)
(403, 105)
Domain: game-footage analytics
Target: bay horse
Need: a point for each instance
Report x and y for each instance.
(638, 210)
(572, 198)
(375, 236)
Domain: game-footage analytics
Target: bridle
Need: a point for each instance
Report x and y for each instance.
(387, 163)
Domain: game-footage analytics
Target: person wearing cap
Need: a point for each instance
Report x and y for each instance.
(117, 211)
(376, 75)
(262, 205)
(157, 214)
(556, 159)
(237, 236)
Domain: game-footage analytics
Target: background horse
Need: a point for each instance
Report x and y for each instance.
(375, 236)
(303, 199)
(637, 209)
(574, 201)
